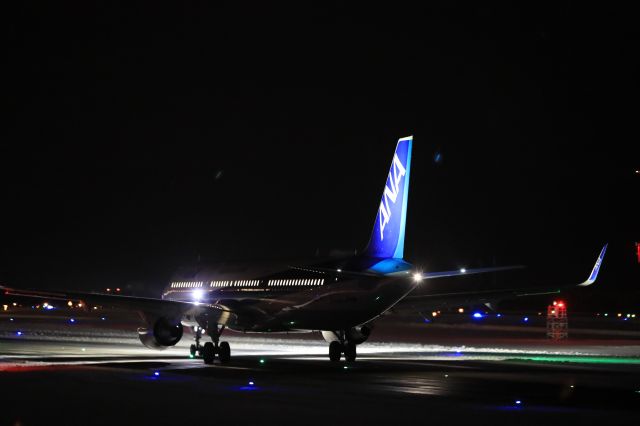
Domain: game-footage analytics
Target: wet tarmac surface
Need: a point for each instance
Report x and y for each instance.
(285, 381)
(94, 370)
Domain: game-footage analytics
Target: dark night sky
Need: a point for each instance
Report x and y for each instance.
(142, 136)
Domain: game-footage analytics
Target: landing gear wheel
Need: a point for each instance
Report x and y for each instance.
(224, 352)
(335, 350)
(192, 350)
(208, 353)
(350, 352)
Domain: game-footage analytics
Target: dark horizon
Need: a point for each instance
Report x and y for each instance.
(142, 138)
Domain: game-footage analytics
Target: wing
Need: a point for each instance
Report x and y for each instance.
(464, 271)
(425, 302)
(153, 313)
(150, 305)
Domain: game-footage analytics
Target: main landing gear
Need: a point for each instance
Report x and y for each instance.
(339, 347)
(215, 347)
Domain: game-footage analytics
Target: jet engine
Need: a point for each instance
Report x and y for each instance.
(161, 334)
(355, 335)
(359, 334)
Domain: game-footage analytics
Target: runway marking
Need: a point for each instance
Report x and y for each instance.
(579, 359)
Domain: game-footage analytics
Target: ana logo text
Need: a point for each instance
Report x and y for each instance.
(390, 193)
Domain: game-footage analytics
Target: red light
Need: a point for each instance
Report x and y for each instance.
(117, 289)
(638, 250)
(108, 290)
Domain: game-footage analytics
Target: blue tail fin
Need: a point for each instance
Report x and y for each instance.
(387, 238)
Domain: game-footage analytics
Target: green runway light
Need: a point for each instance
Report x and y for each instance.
(262, 361)
(581, 359)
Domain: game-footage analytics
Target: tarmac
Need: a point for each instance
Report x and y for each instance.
(80, 373)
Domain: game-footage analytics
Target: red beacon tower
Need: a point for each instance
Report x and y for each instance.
(557, 323)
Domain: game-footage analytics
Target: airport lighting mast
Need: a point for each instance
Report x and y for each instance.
(557, 323)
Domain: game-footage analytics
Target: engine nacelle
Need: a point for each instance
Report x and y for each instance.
(359, 334)
(162, 334)
(355, 335)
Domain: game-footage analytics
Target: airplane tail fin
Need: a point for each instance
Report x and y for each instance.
(387, 238)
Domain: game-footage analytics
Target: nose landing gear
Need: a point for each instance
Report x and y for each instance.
(196, 349)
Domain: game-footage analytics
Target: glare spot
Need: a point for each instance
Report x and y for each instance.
(197, 295)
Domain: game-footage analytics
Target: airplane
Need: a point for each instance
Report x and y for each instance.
(339, 297)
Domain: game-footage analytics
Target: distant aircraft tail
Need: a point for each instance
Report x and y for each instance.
(387, 238)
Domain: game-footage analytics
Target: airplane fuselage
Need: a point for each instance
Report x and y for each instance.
(303, 298)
